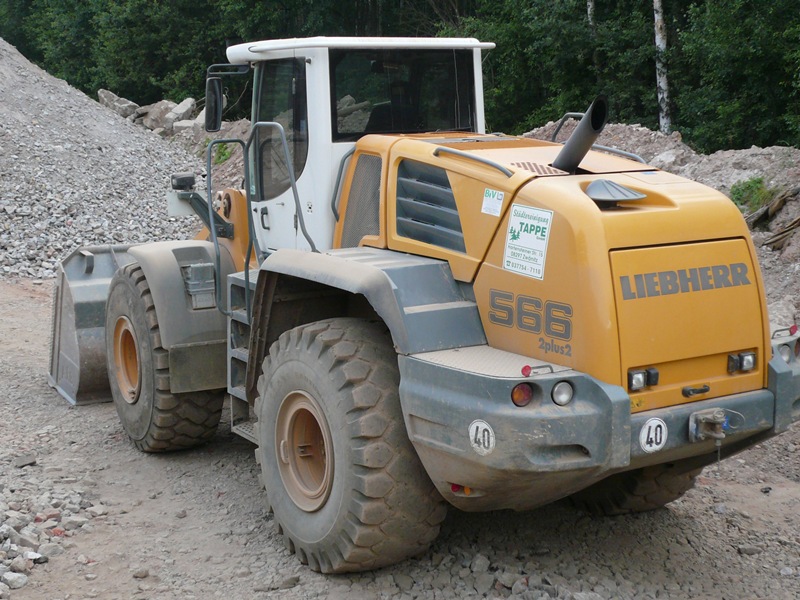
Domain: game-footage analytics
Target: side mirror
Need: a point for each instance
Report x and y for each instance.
(182, 182)
(213, 104)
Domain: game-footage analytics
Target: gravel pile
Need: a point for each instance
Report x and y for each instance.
(73, 173)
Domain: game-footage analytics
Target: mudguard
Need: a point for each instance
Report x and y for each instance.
(418, 299)
(194, 337)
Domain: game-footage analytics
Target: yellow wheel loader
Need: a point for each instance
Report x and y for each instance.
(407, 312)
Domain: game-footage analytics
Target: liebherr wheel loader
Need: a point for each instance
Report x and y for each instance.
(406, 312)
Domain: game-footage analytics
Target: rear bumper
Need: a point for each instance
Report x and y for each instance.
(484, 453)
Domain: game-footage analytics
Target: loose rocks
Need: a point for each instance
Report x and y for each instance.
(14, 580)
(35, 518)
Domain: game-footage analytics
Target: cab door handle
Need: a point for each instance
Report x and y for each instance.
(264, 217)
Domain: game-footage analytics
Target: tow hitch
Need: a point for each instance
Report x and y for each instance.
(708, 424)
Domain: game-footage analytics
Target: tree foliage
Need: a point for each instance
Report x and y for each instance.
(740, 70)
(734, 65)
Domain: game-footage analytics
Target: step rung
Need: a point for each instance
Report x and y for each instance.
(247, 430)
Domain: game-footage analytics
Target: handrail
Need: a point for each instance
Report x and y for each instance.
(334, 203)
(630, 155)
(569, 115)
(212, 229)
(480, 159)
(253, 240)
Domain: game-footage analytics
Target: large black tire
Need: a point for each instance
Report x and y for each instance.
(138, 372)
(634, 491)
(346, 487)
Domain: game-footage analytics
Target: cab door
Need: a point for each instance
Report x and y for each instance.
(281, 98)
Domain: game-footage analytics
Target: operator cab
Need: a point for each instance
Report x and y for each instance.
(327, 93)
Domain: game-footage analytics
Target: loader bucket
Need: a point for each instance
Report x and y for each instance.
(78, 351)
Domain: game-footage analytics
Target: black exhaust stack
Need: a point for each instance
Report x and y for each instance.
(584, 136)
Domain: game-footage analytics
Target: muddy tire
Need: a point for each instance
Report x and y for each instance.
(346, 487)
(636, 491)
(138, 372)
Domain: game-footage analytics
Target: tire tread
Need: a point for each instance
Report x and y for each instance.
(640, 490)
(179, 421)
(394, 510)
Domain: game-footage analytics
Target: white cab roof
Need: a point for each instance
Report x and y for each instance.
(254, 51)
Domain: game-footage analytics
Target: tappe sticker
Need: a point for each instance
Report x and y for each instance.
(526, 240)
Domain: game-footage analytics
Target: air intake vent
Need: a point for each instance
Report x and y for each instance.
(607, 193)
(426, 207)
(363, 203)
(538, 169)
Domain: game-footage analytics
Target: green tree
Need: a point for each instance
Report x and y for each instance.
(734, 65)
(63, 33)
(13, 24)
(739, 71)
(146, 50)
(551, 59)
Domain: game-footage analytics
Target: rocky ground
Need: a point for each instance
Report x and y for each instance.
(84, 515)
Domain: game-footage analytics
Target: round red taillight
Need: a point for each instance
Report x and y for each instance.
(522, 394)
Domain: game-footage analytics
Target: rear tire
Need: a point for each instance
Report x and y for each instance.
(138, 371)
(634, 491)
(346, 487)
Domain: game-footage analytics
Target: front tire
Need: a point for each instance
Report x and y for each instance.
(346, 487)
(635, 491)
(138, 372)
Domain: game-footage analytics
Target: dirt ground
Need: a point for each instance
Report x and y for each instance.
(193, 524)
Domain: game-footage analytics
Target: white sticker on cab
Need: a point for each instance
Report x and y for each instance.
(492, 202)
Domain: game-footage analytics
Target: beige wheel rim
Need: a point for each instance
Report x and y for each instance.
(304, 450)
(126, 360)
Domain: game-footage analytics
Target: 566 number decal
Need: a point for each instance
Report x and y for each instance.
(531, 315)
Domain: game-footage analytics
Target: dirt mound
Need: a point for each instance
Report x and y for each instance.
(778, 165)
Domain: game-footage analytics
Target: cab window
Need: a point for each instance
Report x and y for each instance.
(400, 91)
(282, 99)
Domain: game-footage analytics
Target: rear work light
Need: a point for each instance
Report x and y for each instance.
(744, 361)
(638, 379)
(788, 350)
(786, 353)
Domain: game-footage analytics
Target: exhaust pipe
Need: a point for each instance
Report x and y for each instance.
(584, 136)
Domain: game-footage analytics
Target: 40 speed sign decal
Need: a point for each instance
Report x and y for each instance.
(481, 437)
(653, 435)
